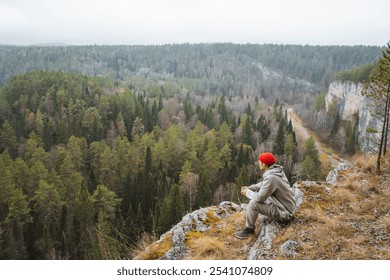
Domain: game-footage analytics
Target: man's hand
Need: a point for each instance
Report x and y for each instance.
(243, 190)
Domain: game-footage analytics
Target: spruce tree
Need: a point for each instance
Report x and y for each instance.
(222, 110)
(47, 206)
(188, 109)
(17, 218)
(47, 136)
(203, 197)
(311, 165)
(280, 139)
(247, 132)
(8, 139)
(7, 183)
(83, 223)
(148, 190)
(172, 210)
(241, 180)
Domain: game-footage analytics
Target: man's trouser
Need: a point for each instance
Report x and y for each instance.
(265, 208)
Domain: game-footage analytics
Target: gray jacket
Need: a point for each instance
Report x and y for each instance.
(274, 189)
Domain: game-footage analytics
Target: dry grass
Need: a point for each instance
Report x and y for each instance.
(386, 222)
(351, 221)
(147, 249)
(211, 217)
(347, 223)
(219, 242)
(326, 165)
(365, 162)
(207, 248)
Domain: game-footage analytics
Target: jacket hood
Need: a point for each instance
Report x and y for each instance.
(275, 170)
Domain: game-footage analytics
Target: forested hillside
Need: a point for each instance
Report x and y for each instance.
(218, 69)
(100, 144)
(88, 166)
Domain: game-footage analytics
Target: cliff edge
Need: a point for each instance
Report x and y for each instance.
(346, 217)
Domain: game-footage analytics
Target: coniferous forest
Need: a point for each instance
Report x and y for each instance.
(101, 144)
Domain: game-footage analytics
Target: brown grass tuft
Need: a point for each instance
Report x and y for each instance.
(193, 235)
(365, 162)
(211, 217)
(385, 221)
(208, 248)
(289, 233)
(147, 250)
(355, 250)
(345, 199)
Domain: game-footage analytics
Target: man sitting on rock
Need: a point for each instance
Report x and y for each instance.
(273, 197)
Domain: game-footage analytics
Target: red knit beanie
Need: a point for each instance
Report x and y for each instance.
(267, 158)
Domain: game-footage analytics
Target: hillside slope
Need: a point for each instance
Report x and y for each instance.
(303, 133)
(265, 71)
(346, 220)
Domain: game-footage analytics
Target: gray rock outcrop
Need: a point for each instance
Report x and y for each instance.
(346, 97)
(289, 248)
(333, 174)
(198, 221)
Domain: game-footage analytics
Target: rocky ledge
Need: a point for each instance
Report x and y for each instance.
(215, 226)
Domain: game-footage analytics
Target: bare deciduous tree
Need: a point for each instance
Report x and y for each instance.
(378, 89)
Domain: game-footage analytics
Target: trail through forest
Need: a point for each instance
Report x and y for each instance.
(303, 133)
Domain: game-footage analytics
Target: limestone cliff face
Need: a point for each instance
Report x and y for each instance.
(347, 98)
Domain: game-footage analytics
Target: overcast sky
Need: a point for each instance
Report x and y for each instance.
(326, 22)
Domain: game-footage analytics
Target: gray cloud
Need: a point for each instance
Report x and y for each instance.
(172, 21)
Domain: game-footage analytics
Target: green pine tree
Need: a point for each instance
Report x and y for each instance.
(8, 139)
(204, 194)
(280, 139)
(172, 210)
(17, 218)
(241, 180)
(311, 165)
